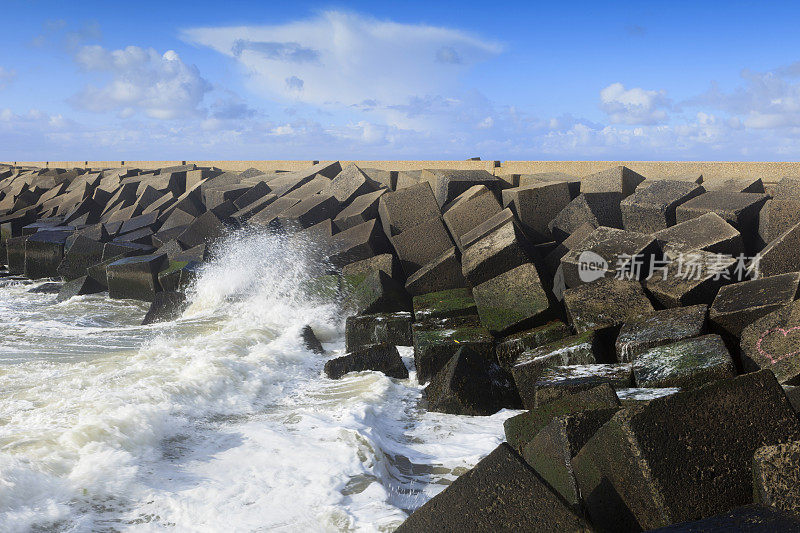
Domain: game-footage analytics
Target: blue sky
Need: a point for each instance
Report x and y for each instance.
(400, 80)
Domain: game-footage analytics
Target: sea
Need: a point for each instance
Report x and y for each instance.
(220, 420)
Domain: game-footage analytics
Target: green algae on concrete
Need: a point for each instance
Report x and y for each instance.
(443, 304)
(437, 340)
(510, 347)
(686, 364)
(513, 299)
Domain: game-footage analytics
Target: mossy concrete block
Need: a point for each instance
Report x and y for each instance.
(686, 364)
(773, 342)
(380, 328)
(740, 304)
(709, 232)
(469, 384)
(535, 205)
(437, 340)
(776, 476)
(605, 303)
(471, 502)
(751, 518)
(659, 328)
(15, 254)
(360, 210)
(166, 305)
(597, 209)
(684, 456)
(522, 428)
(473, 207)
(357, 243)
(551, 451)
(691, 278)
(511, 346)
(178, 275)
(444, 304)
(559, 381)
(619, 179)
(442, 273)
(499, 251)
(583, 349)
(628, 254)
(378, 293)
(653, 208)
(326, 288)
(378, 357)
(512, 300)
(136, 277)
(405, 208)
(44, 251)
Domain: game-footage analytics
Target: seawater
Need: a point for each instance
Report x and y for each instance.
(218, 421)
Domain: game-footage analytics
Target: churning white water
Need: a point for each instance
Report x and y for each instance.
(219, 421)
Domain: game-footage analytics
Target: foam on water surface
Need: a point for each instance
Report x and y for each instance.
(219, 421)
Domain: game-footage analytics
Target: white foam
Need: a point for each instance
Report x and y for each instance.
(218, 421)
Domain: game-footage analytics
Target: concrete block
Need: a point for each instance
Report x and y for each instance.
(377, 357)
(604, 303)
(380, 328)
(776, 476)
(268, 215)
(512, 300)
(780, 256)
(83, 253)
(502, 250)
(620, 180)
(78, 287)
(597, 209)
(723, 184)
(436, 341)
(44, 251)
(404, 209)
(686, 364)
(691, 278)
(309, 211)
(444, 304)
(658, 328)
(772, 341)
(421, 244)
(166, 306)
(358, 243)
(205, 229)
(449, 184)
(485, 228)
(559, 381)
(653, 208)
(740, 304)
(316, 185)
(442, 273)
(536, 205)
(136, 277)
(378, 293)
(386, 262)
(473, 207)
(361, 209)
(739, 209)
(574, 182)
(709, 232)
(511, 347)
(350, 183)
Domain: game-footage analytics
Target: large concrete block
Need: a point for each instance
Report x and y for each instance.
(473, 207)
(574, 182)
(685, 364)
(536, 205)
(386, 262)
(620, 180)
(781, 255)
(403, 209)
(739, 209)
(205, 229)
(421, 244)
(358, 243)
(511, 347)
(502, 250)
(740, 304)
(684, 456)
(485, 228)
(709, 232)
(653, 208)
(604, 303)
(378, 293)
(559, 381)
(83, 253)
(738, 184)
(309, 211)
(449, 184)
(350, 183)
(316, 185)
(44, 251)
(380, 328)
(772, 342)
(659, 328)
(136, 277)
(776, 476)
(691, 278)
(377, 357)
(597, 209)
(442, 273)
(437, 340)
(627, 255)
(470, 503)
(444, 304)
(361, 209)
(512, 300)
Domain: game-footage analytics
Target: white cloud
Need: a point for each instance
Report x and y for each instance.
(634, 106)
(161, 86)
(6, 77)
(344, 59)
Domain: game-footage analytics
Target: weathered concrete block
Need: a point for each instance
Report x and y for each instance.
(617, 180)
(378, 293)
(403, 209)
(692, 278)
(246, 211)
(512, 300)
(140, 236)
(551, 451)
(444, 304)
(177, 276)
(381, 328)
(750, 518)
(659, 328)
(44, 251)
(469, 210)
(379, 357)
(503, 249)
(740, 304)
(485, 228)
(597, 209)
(205, 229)
(214, 196)
(442, 273)
(739, 209)
(166, 306)
(772, 342)
(586, 348)
(358, 243)
(574, 182)
(437, 340)
(469, 384)
(310, 210)
(553, 258)
(407, 178)
(421, 244)
(361, 209)
(627, 254)
(559, 381)
(510, 348)
(449, 184)
(83, 253)
(136, 277)
(653, 208)
(776, 476)
(386, 262)
(686, 364)
(268, 215)
(522, 428)
(605, 303)
(724, 184)
(77, 287)
(350, 183)
(470, 503)
(683, 456)
(780, 256)
(385, 178)
(536, 205)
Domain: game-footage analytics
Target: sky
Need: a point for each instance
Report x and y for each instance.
(399, 80)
